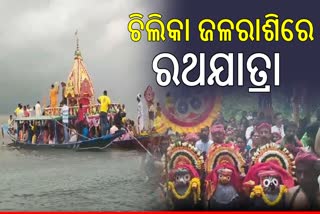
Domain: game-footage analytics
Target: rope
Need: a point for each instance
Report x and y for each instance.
(69, 128)
(11, 136)
(142, 145)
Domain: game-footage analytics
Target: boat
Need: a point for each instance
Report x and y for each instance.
(95, 143)
(78, 92)
(139, 143)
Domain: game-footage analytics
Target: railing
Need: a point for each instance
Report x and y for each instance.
(73, 110)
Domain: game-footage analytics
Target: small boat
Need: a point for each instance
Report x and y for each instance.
(140, 143)
(96, 143)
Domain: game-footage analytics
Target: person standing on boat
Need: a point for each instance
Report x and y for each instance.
(63, 86)
(19, 111)
(140, 114)
(105, 103)
(38, 109)
(25, 112)
(30, 110)
(54, 91)
(65, 121)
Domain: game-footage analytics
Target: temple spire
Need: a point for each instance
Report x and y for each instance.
(77, 52)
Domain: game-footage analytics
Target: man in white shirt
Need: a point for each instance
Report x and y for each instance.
(204, 143)
(140, 114)
(65, 121)
(38, 109)
(250, 129)
(278, 127)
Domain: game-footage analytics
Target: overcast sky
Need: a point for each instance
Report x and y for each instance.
(37, 45)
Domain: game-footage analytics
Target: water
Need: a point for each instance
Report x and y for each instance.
(69, 180)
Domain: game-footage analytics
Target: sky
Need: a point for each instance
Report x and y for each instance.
(37, 42)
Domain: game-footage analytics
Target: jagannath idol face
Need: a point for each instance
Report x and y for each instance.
(270, 184)
(182, 180)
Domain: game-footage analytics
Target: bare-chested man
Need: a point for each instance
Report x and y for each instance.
(305, 196)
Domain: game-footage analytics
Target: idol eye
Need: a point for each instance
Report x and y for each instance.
(220, 176)
(275, 182)
(266, 183)
(177, 177)
(228, 177)
(182, 107)
(195, 103)
(187, 177)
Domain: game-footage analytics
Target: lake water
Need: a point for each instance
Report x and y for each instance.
(69, 180)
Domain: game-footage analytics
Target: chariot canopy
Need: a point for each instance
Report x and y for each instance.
(79, 88)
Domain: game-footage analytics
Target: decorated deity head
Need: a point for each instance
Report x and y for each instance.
(224, 167)
(270, 181)
(224, 176)
(182, 178)
(183, 164)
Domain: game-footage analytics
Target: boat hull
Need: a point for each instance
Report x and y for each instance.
(100, 143)
(133, 144)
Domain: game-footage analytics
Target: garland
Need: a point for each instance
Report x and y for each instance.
(258, 191)
(194, 183)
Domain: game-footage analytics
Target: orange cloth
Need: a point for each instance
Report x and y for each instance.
(54, 97)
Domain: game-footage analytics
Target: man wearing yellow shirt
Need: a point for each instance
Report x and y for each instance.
(19, 111)
(105, 103)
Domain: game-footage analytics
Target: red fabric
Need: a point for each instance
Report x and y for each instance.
(81, 113)
(235, 177)
(263, 125)
(158, 212)
(26, 113)
(85, 102)
(190, 168)
(306, 158)
(254, 170)
(85, 89)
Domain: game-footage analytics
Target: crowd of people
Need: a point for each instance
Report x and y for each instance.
(69, 128)
(253, 131)
(250, 133)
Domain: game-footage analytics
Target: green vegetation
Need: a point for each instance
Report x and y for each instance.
(234, 103)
